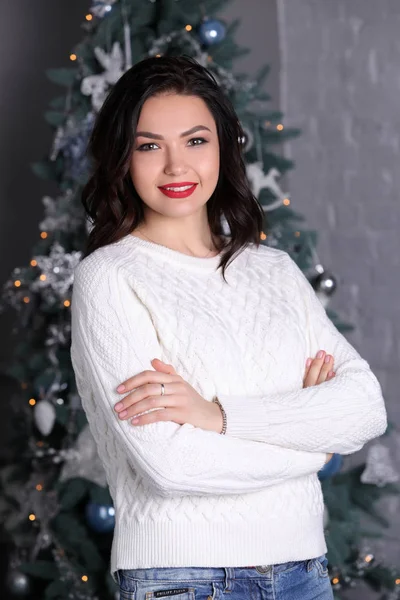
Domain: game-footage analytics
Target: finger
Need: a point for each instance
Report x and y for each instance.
(146, 377)
(308, 365)
(157, 415)
(145, 391)
(326, 367)
(151, 403)
(331, 375)
(163, 367)
(314, 370)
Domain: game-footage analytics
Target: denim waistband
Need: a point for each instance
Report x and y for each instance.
(211, 573)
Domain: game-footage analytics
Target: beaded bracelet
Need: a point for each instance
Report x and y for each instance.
(215, 399)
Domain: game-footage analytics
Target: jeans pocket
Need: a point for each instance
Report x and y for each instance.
(321, 562)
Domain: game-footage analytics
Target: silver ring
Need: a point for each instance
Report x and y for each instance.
(162, 389)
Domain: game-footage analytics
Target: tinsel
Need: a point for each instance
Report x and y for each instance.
(58, 268)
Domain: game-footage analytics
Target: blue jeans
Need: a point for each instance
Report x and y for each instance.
(297, 580)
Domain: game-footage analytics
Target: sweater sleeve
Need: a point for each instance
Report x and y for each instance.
(113, 338)
(340, 415)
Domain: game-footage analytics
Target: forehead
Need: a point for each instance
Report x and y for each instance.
(174, 111)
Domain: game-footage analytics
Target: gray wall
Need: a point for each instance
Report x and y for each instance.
(340, 83)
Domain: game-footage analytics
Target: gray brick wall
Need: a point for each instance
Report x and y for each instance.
(340, 83)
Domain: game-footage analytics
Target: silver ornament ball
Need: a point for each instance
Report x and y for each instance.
(18, 583)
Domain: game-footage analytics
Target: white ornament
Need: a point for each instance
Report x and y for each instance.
(97, 85)
(259, 180)
(100, 8)
(44, 415)
(379, 466)
(84, 460)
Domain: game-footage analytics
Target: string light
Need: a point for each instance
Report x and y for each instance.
(89, 17)
(286, 201)
(397, 582)
(43, 234)
(368, 558)
(279, 127)
(85, 578)
(26, 299)
(32, 517)
(17, 283)
(335, 580)
(67, 303)
(158, 55)
(39, 487)
(24, 385)
(188, 28)
(297, 233)
(263, 236)
(32, 401)
(33, 262)
(72, 57)
(43, 277)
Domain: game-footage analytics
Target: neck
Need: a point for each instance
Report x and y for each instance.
(201, 248)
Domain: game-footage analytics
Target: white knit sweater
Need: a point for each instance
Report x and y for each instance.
(184, 496)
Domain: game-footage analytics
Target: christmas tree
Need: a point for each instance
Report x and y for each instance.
(55, 504)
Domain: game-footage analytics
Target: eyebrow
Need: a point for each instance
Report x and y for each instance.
(156, 136)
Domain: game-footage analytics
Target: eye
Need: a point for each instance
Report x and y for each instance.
(202, 140)
(145, 147)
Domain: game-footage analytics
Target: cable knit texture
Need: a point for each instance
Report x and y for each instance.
(185, 496)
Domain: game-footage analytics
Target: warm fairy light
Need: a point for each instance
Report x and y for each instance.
(297, 233)
(158, 55)
(397, 582)
(188, 28)
(17, 283)
(263, 236)
(43, 277)
(32, 401)
(279, 127)
(368, 558)
(33, 262)
(286, 201)
(26, 299)
(72, 57)
(39, 487)
(24, 385)
(89, 17)
(43, 235)
(32, 517)
(209, 58)
(335, 580)
(268, 123)
(67, 303)
(40, 443)
(85, 577)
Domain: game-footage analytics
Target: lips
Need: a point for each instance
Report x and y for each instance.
(178, 194)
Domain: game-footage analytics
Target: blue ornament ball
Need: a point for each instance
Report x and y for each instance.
(100, 517)
(331, 468)
(211, 31)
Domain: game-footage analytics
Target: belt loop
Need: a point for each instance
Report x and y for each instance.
(229, 579)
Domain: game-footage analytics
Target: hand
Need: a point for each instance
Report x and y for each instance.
(319, 369)
(180, 403)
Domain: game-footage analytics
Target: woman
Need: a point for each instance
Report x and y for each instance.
(213, 499)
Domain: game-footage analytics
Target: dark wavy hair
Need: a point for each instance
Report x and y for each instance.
(109, 197)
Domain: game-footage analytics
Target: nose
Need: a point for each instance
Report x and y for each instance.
(175, 163)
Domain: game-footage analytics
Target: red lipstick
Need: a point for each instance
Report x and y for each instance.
(175, 193)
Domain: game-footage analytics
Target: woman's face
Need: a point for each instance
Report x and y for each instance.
(176, 142)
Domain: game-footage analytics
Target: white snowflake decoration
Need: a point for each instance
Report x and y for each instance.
(96, 86)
